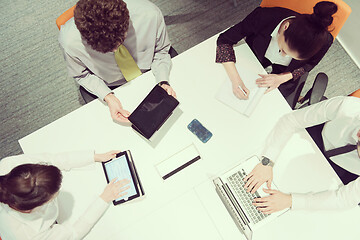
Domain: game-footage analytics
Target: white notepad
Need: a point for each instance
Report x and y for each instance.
(249, 70)
(178, 161)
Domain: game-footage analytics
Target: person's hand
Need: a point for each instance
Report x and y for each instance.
(239, 89)
(116, 110)
(257, 177)
(169, 90)
(103, 157)
(276, 201)
(114, 190)
(272, 81)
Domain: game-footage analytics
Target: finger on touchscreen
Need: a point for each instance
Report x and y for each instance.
(113, 180)
(124, 188)
(121, 194)
(123, 182)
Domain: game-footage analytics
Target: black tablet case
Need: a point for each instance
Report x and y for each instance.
(153, 111)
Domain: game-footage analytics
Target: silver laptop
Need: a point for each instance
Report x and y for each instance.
(238, 202)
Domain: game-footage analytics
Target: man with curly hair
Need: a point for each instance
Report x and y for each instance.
(100, 28)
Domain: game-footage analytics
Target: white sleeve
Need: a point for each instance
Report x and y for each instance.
(64, 161)
(94, 212)
(347, 196)
(79, 229)
(161, 64)
(299, 119)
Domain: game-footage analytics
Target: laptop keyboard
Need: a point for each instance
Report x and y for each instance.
(237, 183)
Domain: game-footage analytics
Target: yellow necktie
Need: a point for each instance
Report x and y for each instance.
(126, 63)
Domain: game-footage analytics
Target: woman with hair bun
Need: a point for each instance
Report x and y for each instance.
(29, 186)
(286, 43)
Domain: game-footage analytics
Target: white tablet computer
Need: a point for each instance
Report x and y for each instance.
(122, 167)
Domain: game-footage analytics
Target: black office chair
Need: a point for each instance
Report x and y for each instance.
(88, 97)
(315, 95)
(292, 99)
(172, 52)
(316, 92)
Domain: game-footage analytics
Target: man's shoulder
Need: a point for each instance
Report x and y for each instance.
(144, 8)
(69, 35)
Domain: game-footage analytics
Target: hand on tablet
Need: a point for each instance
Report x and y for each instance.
(115, 190)
(103, 157)
(169, 90)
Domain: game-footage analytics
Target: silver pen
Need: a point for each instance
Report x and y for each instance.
(242, 90)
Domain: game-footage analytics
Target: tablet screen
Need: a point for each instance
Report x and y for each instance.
(119, 168)
(153, 111)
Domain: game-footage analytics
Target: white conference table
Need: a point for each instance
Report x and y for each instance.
(186, 206)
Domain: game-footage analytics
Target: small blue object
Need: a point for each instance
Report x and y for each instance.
(199, 130)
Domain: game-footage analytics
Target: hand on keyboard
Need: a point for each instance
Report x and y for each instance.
(257, 177)
(276, 201)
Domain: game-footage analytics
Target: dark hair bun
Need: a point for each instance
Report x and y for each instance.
(323, 12)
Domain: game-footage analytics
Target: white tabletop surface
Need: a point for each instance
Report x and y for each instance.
(185, 206)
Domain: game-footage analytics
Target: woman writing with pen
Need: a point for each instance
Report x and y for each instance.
(286, 43)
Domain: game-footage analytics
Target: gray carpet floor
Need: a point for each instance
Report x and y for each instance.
(35, 87)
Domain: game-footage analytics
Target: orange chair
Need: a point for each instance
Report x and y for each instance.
(306, 6)
(63, 18)
(356, 93)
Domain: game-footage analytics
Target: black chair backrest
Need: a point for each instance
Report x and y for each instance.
(294, 96)
(172, 52)
(317, 91)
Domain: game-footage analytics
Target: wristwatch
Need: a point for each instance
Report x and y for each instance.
(163, 82)
(267, 162)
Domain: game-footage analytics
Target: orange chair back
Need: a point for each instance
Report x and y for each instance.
(356, 93)
(63, 18)
(306, 6)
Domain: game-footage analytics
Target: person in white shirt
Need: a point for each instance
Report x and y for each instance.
(29, 186)
(342, 128)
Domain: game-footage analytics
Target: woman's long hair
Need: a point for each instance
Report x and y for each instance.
(28, 186)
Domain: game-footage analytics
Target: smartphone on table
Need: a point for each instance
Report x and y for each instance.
(199, 130)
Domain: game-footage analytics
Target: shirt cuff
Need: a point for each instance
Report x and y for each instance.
(298, 201)
(103, 92)
(225, 53)
(87, 156)
(297, 73)
(161, 77)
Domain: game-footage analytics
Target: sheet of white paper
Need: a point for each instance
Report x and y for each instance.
(177, 160)
(248, 72)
